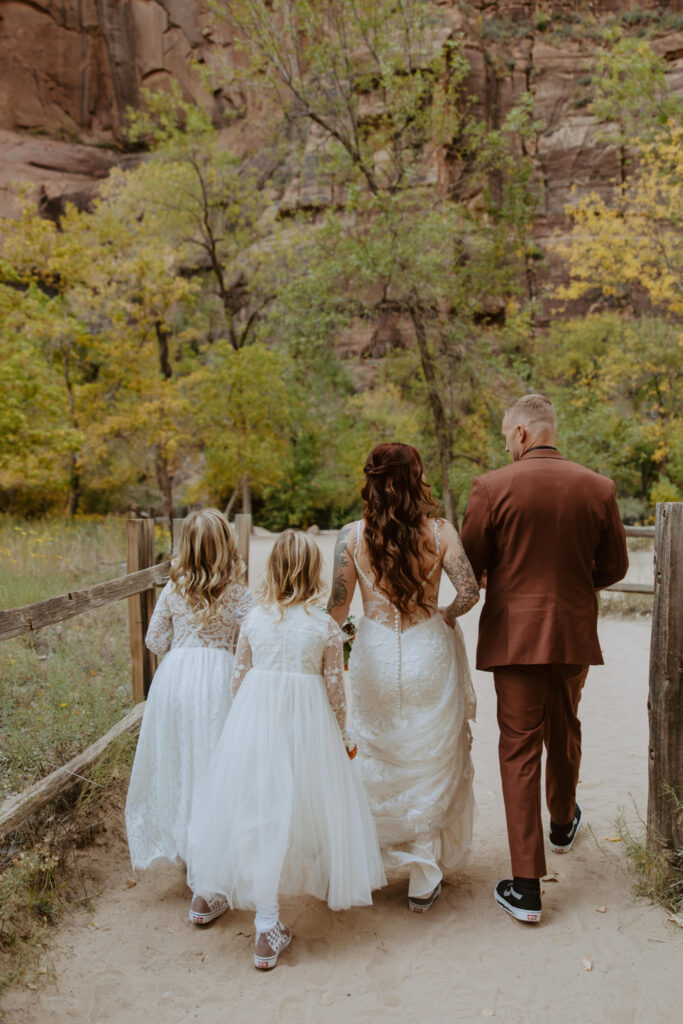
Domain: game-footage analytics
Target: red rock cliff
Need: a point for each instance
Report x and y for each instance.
(69, 69)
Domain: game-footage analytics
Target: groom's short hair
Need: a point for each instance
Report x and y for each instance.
(534, 410)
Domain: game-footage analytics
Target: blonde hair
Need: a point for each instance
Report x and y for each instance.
(534, 410)
(293, 571)
(207, 561)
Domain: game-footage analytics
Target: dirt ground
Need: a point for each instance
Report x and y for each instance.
(135, 958)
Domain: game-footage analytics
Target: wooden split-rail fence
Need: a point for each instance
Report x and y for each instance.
(665, 703)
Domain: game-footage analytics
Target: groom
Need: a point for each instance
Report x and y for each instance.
(548, 534)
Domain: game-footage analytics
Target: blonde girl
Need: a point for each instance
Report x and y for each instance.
(283, 811)
(194, 625)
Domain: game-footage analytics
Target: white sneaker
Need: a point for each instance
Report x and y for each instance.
(269, 945)
(215, 906)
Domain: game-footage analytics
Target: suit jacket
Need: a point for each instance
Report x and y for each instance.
(549, 534)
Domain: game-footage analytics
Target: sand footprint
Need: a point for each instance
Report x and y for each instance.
(386, 977)
(109, 990)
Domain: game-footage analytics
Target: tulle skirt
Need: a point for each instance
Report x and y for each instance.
(283, 809)
(188, 703)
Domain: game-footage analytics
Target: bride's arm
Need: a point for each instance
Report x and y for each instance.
(343, 578)
(459, 571)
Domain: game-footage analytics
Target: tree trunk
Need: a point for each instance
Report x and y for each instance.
(231, 504)
(74, 468)
(442, 431)
(450, 506)
(162, 342)
(165, 482)
(75, 485)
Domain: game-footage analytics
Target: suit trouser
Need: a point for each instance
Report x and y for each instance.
(537, 704)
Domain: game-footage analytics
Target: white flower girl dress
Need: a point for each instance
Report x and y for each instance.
(188, 702)
(283, 810)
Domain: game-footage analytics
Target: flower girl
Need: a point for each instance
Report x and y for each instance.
(283, 809)
(197, 615)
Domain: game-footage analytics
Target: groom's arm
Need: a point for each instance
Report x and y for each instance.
(611, 557)
(476, 529)
(343, 578)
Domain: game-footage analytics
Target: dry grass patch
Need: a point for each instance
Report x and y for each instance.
(61, 688)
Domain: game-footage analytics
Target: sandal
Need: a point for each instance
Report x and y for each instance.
(268, 946)
(203, 909)
(420, 904)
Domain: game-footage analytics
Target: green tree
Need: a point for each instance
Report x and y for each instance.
(247, 403)
(369, 76)
(618, 389)
(208, 204)
(36, 437)
(635, 241)
(108, 326)
(381, 88)
(630, 95)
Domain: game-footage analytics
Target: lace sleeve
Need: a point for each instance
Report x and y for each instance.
(160, 629)
(237, 604)
(459, 571)
(243, 662)
(243, 605)
(333, 672)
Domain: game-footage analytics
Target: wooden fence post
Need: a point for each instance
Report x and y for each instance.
(140, 555)
(243, 530)
(665, 701)
(177, 530)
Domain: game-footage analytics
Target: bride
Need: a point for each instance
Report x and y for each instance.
(412, 696)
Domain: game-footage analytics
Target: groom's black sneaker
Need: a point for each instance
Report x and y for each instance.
(521, 899)
(562, 836)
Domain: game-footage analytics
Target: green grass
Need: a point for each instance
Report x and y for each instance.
(61, 688)
(65, 685)
(656, 873)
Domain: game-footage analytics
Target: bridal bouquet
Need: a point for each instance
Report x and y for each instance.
(350, 743)
(349, 631)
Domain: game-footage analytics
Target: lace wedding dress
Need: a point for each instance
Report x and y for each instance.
(187, 705)
(283, 809)
(412, 699)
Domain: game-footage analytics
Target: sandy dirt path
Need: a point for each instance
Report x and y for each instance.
(136, 958)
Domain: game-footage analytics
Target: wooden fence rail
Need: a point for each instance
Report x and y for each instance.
(20, 806)
(30, 617)
(639, 531)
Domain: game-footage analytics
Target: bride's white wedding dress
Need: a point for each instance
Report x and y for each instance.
(412, 699)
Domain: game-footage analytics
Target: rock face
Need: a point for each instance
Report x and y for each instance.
(72, 67)
(69, 70)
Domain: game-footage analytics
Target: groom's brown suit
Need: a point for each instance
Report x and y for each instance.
(548, 534)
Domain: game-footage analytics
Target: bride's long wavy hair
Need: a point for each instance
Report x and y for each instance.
(395, 501)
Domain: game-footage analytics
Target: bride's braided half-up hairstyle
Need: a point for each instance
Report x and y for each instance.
(396, 498)
(208, 560)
